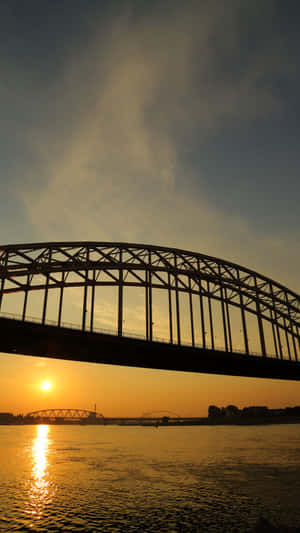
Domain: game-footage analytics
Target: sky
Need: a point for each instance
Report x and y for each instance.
(165, 122)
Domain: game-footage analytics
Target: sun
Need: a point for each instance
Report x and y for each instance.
(46, 385)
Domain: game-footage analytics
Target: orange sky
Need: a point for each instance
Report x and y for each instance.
(125, 391)
(122, 391)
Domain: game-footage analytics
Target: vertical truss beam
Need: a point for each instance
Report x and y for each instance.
(150, 301)
(244, 323)
(3, 278)
(147, 303)
(210, 318)
(203, 332)
(92, 303)
(61, 296)
(46, 288)
(25, 298)
(177, 303)
(223, 310)
(276, 322)
(274, 334)
(85, 292)
(287, 340)
(259, 319)
(120, 297)
(170, 308)
(228, 320)
(191, 313)
(291, 327)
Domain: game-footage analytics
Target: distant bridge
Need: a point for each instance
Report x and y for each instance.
(215, 290)
(64, 414)
(160, 414)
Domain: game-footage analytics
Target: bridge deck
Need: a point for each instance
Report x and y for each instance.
(62, 343)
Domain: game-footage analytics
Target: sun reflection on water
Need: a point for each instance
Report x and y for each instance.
(40, 491)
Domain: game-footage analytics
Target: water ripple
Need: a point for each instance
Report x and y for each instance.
(119, 479)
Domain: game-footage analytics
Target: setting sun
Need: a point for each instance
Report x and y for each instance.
(46, 385)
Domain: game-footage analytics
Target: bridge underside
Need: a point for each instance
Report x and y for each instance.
(25, 338)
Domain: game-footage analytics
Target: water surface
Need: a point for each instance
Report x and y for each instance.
(140, 479)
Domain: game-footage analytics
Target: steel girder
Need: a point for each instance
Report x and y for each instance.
(57, 265)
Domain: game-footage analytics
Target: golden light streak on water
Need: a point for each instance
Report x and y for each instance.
(40, 485)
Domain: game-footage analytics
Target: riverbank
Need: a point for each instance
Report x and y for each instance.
(165, 422)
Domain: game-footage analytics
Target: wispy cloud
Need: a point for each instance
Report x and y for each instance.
(109, 154)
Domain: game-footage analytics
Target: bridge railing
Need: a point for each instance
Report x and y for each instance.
(126, 334)
(190, 297)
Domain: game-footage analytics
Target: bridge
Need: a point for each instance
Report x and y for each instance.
(64, 415)
(217, 316)
(83, 416)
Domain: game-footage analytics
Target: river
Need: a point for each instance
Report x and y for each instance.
(144, 479)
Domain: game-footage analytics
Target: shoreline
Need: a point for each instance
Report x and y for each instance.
(213, 421)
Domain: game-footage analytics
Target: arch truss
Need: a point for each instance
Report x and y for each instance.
(65, 414)
(205, 280)
(160, 414)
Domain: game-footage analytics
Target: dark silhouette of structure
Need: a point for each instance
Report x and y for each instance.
(260, 414)
(64, 415)
(206, 281)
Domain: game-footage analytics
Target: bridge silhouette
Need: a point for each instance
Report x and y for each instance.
(215, 297)
(84, 416)
(64, 414)
(89, 416)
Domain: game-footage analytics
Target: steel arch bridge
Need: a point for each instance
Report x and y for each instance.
(206, 281)
(160, 413)
(65, 414)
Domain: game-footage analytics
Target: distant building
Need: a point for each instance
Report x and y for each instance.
(232, 410)
(277, 412)
(7, 418)
(252, 411)
(255, 411)
(214, 411)
(292, 411)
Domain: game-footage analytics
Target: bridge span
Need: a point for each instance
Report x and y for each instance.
(64, 414)
(208, 301)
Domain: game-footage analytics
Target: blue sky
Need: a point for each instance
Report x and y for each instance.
(164, 122)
